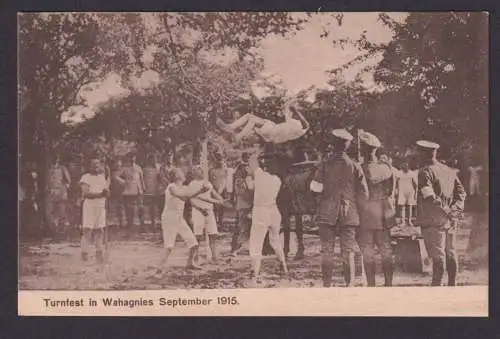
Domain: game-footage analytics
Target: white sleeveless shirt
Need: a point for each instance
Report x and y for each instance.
(172, 203)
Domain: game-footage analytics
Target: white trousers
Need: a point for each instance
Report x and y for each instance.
(173, 223)
(264, 219)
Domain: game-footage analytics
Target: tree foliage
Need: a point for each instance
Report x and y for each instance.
(436, 70)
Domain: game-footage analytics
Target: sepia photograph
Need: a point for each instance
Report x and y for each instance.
(179, 151)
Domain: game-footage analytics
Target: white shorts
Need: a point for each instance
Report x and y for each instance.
(406, 198)
(264, 219)
(173, 223)
(201, 222)
(94, 213)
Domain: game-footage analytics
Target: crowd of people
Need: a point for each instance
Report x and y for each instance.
(358, 201)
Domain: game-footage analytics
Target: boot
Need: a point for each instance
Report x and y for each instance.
(299, 232)
(451, 267)
(327, 272)
(300, 252)
(349, 269)
(388, 269)
(99, 257)
(370, 273)
(437, 272)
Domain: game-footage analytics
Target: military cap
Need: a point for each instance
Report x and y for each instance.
(427, 144)
(369, 139)
(342, 134)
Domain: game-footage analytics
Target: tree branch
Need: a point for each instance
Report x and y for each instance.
(176, 58)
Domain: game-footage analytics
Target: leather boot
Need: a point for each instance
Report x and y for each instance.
(437, 272)
(300, 252)
(451, 267)
(349, 269)
(370, 273)
(388, 269)
(327, 272)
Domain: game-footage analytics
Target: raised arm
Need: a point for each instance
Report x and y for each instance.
(303, 120)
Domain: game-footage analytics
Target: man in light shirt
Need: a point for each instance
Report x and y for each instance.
(203, 215)
(95, 191)
(266, 216)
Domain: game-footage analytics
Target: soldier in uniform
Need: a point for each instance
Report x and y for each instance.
(377, 213)
(440, 204)
(56, 196)
(342, 186)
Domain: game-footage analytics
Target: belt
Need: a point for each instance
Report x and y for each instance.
(267, 206)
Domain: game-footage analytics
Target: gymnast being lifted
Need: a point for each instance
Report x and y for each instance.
(269, 131)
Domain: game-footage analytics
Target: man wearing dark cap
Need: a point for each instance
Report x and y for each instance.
(440, 204)
(218, 176)
(377, 214)
(342, 186)
(243, 196)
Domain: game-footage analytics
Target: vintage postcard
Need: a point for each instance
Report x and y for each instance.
(253, 163)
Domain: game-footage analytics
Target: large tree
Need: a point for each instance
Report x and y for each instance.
(436, 71)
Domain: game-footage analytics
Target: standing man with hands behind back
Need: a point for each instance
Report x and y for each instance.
(440, 204)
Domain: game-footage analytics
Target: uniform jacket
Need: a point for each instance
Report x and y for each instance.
(441, 195)
(380, 180)
(243, 195)
(344, 189)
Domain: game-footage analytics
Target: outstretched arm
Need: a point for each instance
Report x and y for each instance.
(188, 192)
(305, 123)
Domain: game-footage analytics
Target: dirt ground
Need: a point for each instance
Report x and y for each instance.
(133, 263)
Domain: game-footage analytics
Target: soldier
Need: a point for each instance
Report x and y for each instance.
(132, 178)
(243, 199)
(377, 214)
(440, 204)
(342, 185)
(56, 196)
(151, 184)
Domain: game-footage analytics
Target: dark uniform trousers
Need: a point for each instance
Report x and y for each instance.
(440, 245)
(347, 235)
(376, 216)
(368, 239)
(344, 185)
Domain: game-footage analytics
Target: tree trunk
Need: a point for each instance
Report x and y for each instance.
(204, 166)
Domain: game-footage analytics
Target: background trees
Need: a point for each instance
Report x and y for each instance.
(177, 71)
(436, 70)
